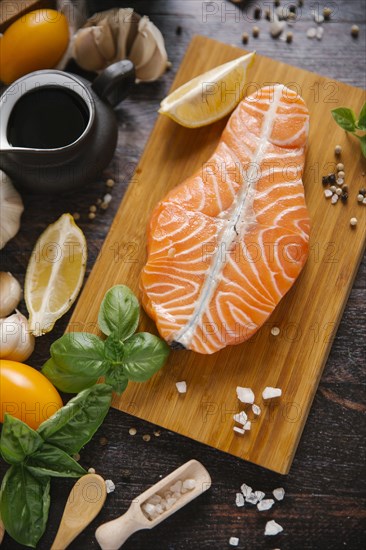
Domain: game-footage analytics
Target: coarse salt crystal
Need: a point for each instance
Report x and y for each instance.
(279, 493)
(265, 504)
(311, 33)
(109, 485)
(247, 425)
(272, 528)
(181, 386)
(318, 17)
(107, 198)
(319, 33)
(239, 500)
(245, 395)
(239, 430)
(334, 199)
(252, 498)
(233, 541)
(189, 484)
(148, 508)
(364, 201)
(177, 487)
(269, 392)
(328, 193)
(259, 494)
(275, 331)
(240, 417)
(155, 499)
(246, 490)
(256, 409)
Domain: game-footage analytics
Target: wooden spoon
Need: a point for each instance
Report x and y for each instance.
(83, 505)
(113, 534)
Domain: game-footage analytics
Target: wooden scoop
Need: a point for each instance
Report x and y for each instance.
(113, 534)
(83, 505)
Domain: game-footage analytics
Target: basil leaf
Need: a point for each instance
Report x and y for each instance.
(361, 123)
(79, 353)
(144, 355)
(24, 504)
(345, 118)
(117, 379)
(66, 381)
(363, 144)
(119, 312)
(18, 440)
(72, 426)
(51, 461)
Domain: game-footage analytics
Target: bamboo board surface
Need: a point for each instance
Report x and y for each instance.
(309, 314)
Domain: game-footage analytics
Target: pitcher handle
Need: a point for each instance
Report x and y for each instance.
(115, 82)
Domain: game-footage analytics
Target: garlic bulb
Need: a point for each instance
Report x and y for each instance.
(11, 208)
(10, 293)
(17, 343)
(118, 34)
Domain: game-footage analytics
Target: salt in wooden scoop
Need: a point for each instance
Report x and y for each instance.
(113, 534)
(85, 501)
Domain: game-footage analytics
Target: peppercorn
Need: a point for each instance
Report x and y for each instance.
(292, 8)
(76, 216)
(178, 30)
(325, 180)
(289, 37)
(245, 38)
(340, 167)
(344, 197)
(338, 149)
(341, 174)
(257, 13)
(277, 3)
(327, 12)
(91, 215)
(92, 208)
(363, 191)
(267, 15)
(353, 222)
(300, 3)
(345, 188)
(255, 32)
(331, 178)
(355, 30)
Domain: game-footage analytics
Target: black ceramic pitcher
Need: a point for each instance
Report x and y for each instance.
(58, 130)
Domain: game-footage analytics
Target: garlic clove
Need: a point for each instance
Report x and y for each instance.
(11, 208)
(144, 44)
(128, 21)
(17, 342)
(104, 41)
(156, 66)
(10, 293)
(86, 52)
(157, 63)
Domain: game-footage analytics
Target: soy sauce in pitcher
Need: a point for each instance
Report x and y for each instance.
(47, 118)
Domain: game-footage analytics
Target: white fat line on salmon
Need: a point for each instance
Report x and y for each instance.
(229, 234)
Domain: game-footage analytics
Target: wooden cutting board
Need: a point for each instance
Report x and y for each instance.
(309, 314)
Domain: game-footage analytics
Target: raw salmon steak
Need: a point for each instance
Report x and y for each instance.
(227, 244)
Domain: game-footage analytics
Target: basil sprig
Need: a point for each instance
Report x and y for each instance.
(346, 119)
(78, 359)
(36, 456)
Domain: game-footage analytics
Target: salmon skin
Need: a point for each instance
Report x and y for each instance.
(227, 244)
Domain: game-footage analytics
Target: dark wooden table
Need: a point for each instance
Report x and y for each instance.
(324, 507)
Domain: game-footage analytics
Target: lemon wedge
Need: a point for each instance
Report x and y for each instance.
(210, 96)
(54, 274)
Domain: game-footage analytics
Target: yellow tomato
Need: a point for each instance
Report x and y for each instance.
(26, 394)
(35, 41)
